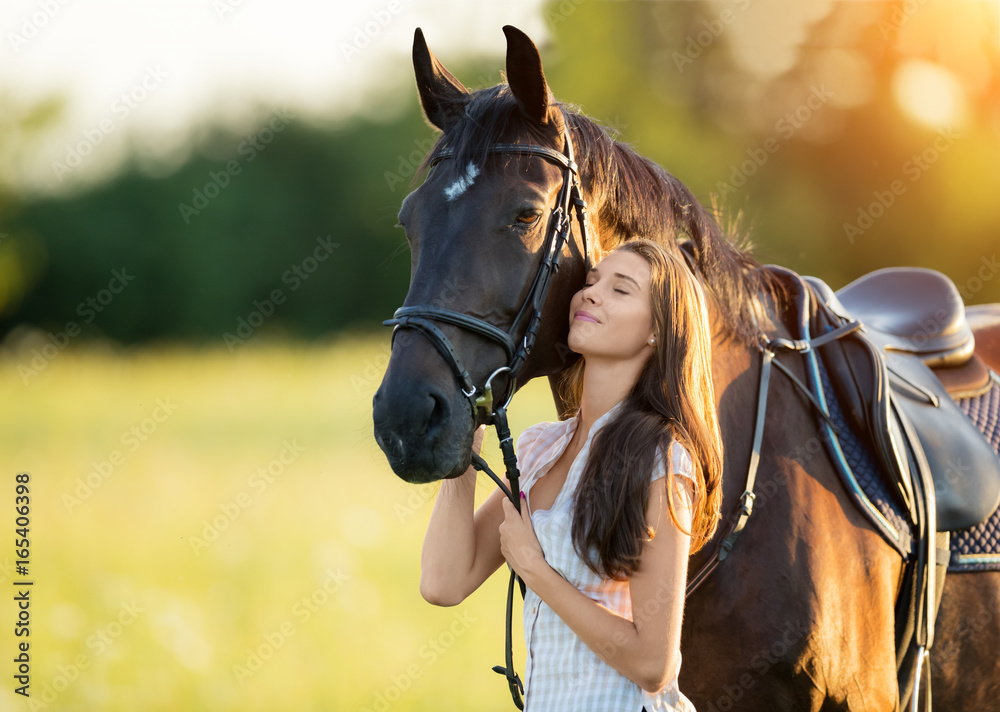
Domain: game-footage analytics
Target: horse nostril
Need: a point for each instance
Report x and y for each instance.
(438, 414)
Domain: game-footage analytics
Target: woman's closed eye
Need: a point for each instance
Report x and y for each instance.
(619, 290)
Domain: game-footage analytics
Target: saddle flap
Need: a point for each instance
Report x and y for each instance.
(964, 466)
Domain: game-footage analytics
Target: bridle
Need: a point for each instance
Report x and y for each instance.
(529, 316)
(421, 317)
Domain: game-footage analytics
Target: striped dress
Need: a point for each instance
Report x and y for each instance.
(561, 672)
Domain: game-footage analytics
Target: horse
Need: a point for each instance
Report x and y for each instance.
(800, 615)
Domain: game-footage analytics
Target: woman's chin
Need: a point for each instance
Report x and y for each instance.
(575, 343)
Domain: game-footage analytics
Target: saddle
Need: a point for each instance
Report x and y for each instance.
(946, 473)
(914, 318)
(919, 311)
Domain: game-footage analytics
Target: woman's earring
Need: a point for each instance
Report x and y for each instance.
(652, 340)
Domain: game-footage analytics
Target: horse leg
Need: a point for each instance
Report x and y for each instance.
(965, 667)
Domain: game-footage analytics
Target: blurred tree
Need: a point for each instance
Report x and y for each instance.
(303, 211)
(853, 136)
(796, 115)
(22, 254)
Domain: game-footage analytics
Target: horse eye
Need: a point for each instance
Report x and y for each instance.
(528, 217)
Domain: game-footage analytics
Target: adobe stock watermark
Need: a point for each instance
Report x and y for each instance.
(988, 269)
(786, 127)
(249, 148)
(900, 15)
(125, 104)
(258, 482)
(99, 642)
(556, 14)
(913, 168)
(33, 23)
(365, 33)
(372, 371)
(131, 440)
(762, 662)
(295, 276)
(415, 500)
(88, 310)
(6, 570)
(705, 37)
(224, 7)
(408, 164)
(301, 611)
(430, 652)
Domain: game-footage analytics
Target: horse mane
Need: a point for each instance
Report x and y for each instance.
(637, 198)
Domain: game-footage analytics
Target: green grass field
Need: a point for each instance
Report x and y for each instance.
(219, 531)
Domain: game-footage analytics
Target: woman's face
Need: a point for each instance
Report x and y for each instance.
(611, 316)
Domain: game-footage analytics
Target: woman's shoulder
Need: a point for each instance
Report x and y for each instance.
(677, 462)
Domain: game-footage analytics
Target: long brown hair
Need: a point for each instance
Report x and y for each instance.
(673, 399)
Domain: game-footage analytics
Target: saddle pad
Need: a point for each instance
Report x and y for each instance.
(861, 474)
(978, 548)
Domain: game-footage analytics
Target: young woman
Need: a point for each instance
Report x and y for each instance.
(615, 498)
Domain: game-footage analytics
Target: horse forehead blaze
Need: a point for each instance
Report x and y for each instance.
(462, 183)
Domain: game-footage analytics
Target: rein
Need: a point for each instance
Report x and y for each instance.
(529, 316)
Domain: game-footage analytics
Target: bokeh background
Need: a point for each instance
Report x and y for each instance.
(197, 246)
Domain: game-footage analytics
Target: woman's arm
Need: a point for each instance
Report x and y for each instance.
(644, 649)
(461, 548)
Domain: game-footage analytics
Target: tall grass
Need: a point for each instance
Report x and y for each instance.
(171, 573)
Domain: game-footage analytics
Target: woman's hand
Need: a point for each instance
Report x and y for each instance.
(518, 542)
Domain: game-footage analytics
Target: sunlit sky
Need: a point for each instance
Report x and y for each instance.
(180, 61)
(143, 73)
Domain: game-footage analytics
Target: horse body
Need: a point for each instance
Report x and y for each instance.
(800, 616)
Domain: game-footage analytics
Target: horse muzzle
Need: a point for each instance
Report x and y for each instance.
(424, 429)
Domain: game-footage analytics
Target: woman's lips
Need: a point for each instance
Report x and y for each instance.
(584, 316)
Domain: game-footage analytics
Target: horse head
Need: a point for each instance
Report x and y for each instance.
(476, 228)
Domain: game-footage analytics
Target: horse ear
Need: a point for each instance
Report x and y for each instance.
(441, 94)
(525, 76)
